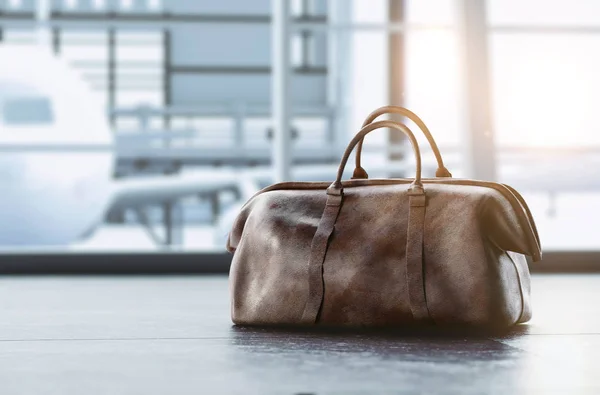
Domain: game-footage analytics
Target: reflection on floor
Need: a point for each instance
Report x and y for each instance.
(158, 335)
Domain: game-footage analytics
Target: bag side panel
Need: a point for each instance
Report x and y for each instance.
(505, 287)
(469, 279)
(269, 270)
(456, 270)
(520, 262)
(365, 266)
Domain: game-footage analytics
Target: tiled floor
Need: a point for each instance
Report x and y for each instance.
(172, 335)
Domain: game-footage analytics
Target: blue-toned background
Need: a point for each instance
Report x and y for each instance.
(144, 124)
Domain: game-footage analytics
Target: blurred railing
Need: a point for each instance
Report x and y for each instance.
(234, 144)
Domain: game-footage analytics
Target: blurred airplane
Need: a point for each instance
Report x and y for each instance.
(57, 156)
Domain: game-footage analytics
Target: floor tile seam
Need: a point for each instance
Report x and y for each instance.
(112, 339)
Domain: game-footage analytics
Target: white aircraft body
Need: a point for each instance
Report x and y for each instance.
(57, 156)
(52, 188)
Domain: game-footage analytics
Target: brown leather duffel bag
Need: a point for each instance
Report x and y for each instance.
(383, 252)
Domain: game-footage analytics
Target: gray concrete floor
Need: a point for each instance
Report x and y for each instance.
(158, 335)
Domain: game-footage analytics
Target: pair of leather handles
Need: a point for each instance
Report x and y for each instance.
(369, 126)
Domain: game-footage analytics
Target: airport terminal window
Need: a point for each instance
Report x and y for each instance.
(192, 103)
(25, 111)
(542, 13)
(545, 83)
(430, 68)
(139, 69)
(125, 70)
(87, 52)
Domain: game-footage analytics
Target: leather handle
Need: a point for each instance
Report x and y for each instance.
(441, 171)
(336, 188)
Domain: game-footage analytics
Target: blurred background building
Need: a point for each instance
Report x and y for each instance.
(143, 124)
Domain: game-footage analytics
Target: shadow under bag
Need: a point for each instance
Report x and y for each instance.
(383, 252)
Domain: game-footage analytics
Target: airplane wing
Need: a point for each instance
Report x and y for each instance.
(144, 191)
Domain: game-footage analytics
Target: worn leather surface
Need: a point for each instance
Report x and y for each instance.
(469, 276)
(382, 254)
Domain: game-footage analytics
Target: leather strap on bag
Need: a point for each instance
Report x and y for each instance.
(415, 273)
(414, 246)
(442, 171)
(318, 250)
